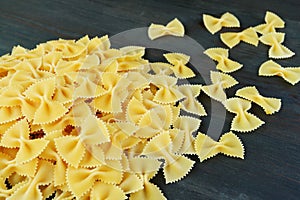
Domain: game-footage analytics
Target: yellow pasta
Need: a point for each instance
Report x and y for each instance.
(168, 91)
(160, 147)
(272, 21)
(232, 39)
(106, 191)
(187, 126)
(174, 28)
(149, 190)
(18, 137)
(81, 180)
(220, 81)
(221, 55)
(190, 102)
(243, 121)
(30, 189)
(271, 68)
(214, 24)
(277, 50)
(229, 144)
(270, 105)
(179, 61)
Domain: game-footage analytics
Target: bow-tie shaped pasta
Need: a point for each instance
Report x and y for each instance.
(187, 126)
(81, 180)
(190, 102)
(18, 137)
(154, 121)
(221, 55)
(214, 24)
(131, 58)
(149, 191)
(8, 114)
(31, 187)
(270, 105)
(47, 110)
(174, 28)
(167, 89)
(243, 121)
(175, 167)
(179, 61)
(272, 21)
(131, 183)
(161, 68)
(271, 68)
(277, 50)
(220, 81)
(229, 144)
(9, 166)
(115, 92)
(232, 39)
(50, 153)
(102, 190)
(69, 48)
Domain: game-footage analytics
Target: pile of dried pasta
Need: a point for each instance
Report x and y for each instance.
(80, 120)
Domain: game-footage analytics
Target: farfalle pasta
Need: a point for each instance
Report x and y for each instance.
(179, 61)
(243, 121)
(214, 24)
(229, 145)
(221, 56)
(220, 81)
(273, 21)
(270, 105)
(174, 28)
(271, 68)
(277, 49)
(231, 39)
(81, 120)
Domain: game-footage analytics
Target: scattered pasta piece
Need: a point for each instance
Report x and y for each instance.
(179, 61)
(190, 103)
(272, 21)
(271, 68)
(214, 24)
(221, 55)
(277, 50)
(270, 105)
(174, 28)
(243, 121)
(232, 39)
(220, 81)
(229, 144)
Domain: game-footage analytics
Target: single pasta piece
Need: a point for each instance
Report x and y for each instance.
(190, 102)
(272, 21)
(149, 191)
(221, 55)
(17, 136)
(220, 81)
(270, 105)
(277, 50)
(179, 68)
(232, 39)
(176, 166)
(243, 121)
(214, 24)
(271, 68)
(174, 28)
(229, 144)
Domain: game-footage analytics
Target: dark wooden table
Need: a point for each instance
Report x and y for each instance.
(271, 169)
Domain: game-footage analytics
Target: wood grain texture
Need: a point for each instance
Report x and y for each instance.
(271, 169)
